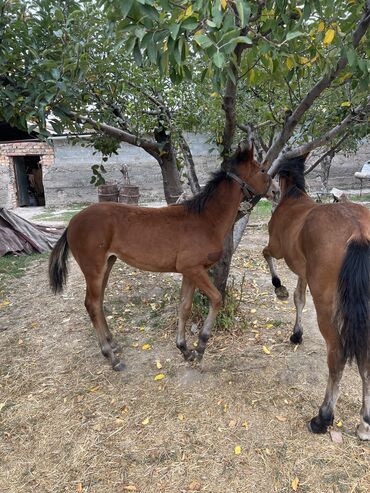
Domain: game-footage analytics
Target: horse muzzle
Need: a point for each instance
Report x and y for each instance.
(273, 192)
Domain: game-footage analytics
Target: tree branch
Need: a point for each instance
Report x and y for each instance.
(320, 141)
(317, 90)
(149, 146)
(332, 150)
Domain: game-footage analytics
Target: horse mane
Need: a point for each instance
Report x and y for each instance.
(294, 170)
(197, 203)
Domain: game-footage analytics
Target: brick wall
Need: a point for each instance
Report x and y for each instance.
(8, 189)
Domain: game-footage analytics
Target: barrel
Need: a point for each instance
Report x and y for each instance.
(108, 192)
(129, 194)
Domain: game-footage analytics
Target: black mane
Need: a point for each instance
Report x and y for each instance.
(197, 203)
(294, 169)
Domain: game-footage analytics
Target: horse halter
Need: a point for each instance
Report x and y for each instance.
(250, 194)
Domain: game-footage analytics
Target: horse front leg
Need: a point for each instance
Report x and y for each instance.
(299, 301)
(186, 299)
(280, 290)
(203, 282)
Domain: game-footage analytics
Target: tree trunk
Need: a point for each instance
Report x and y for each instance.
(167, 160)
(189, 165)
(220, 272)
(171, 181)
(325, 171)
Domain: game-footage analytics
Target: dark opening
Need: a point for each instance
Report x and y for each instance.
(28, 175)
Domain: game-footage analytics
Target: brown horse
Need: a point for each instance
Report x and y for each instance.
(186, 238)
(328, 247)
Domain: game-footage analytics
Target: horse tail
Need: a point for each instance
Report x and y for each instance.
(58, 269)
(353, 301)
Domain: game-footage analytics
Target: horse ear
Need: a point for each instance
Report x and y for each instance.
(245, 151)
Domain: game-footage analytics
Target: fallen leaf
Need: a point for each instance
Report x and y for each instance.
(158, 364)
(281, 418)
(295, 484)
(245, 425)
(129, 487)
(339, 424)
(160, 376)
(253, 310)
(180, 417)
(237, 450)
(266, 350)
(79, 487)
(94, 389)
(145, 421)
(145, 347)
(194, 486)
(269, 326)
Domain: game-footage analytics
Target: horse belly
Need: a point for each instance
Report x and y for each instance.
(155, 254)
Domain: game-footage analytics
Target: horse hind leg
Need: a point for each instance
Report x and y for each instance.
(111, 261)
(363, 430)
(336, 363)
(95, 286)
(299, 301)
(280, 290)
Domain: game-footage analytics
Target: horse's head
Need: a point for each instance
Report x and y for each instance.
(252, 173)
(291, 176)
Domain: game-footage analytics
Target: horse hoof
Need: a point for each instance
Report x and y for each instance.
(282, 293)
(120, 366)
(296, 338)
(317, 428)
(363, 431)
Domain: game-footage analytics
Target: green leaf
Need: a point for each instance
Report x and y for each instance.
(244, 12)
(174, 30)
(125, 7)
(218, 59)
(203, 40)
(244, 39)
(293, 34)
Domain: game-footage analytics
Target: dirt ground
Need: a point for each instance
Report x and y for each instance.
(234, 424)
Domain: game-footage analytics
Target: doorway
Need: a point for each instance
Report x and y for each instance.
(28, 177)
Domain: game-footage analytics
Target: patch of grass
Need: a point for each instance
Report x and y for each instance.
(12, 266)
(65, 215)
(262, 210)
(230, 308)
(365, 197)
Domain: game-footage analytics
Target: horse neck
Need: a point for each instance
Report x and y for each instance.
(222, 208)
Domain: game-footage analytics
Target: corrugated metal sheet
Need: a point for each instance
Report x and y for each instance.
(21, 237)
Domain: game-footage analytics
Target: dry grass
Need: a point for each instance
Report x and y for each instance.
(69, 423)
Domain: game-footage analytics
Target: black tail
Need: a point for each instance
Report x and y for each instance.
(353, 302)
(58, 270)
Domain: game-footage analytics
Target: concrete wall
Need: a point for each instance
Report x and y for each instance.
(67, 170)
(69, 179)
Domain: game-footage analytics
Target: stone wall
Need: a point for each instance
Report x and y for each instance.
(8, 188)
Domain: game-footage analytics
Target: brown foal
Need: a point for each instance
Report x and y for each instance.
(328, 247)
(186, 238)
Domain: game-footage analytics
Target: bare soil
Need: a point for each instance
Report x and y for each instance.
(69, 423)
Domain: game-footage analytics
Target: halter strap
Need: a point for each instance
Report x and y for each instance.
(249, 192)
